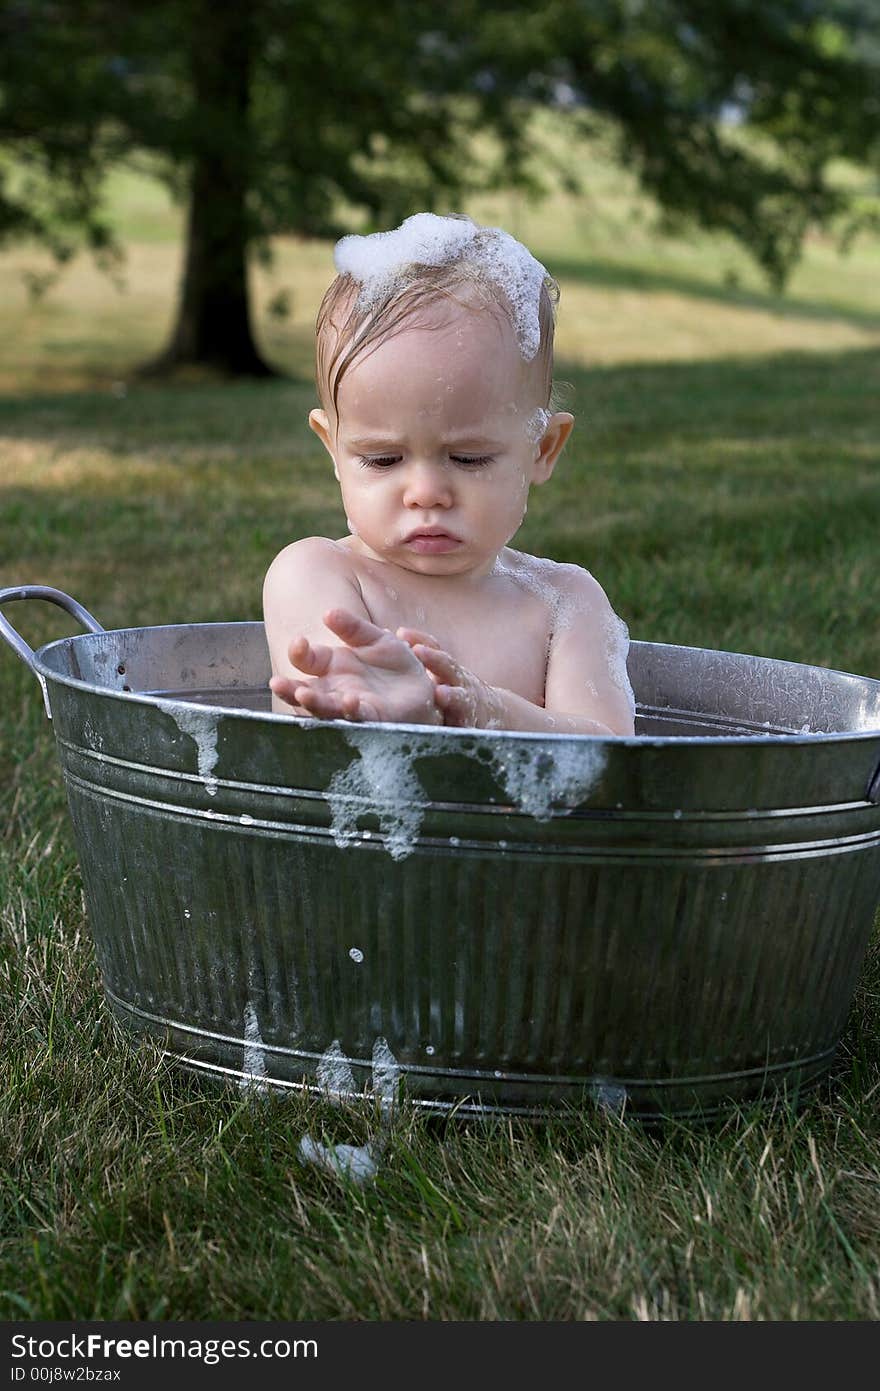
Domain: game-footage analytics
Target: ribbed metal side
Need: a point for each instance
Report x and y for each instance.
(521, 921)
(490, 972)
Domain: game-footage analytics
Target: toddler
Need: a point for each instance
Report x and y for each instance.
(434, 372)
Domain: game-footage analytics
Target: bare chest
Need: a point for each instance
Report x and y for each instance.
(496, 631)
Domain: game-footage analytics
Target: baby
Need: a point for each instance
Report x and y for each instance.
(434, 372)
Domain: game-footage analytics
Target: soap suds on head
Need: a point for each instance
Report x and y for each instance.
(201, 726)
(379, 261)
(381, 779)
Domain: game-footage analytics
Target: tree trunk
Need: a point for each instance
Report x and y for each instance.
(213, 327)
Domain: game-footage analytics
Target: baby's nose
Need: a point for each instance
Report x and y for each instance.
(427, 485)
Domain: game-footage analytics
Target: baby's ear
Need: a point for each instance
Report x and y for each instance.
(551, 446)
(319, 421)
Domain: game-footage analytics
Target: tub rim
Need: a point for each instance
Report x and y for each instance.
(400, 730)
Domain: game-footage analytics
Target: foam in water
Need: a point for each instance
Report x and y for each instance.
(380, 779)
(254, 1063)
(201, 726)
(381, 260)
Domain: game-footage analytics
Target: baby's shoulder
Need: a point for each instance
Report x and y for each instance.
(562, 584)
(311, 556)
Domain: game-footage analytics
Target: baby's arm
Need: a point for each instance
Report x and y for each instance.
(586, 687)
(311, 594)
(586, 666)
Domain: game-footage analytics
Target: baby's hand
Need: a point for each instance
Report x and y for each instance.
(375, 676)
(462, 698)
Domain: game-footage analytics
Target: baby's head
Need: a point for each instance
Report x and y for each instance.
(434, 369)
(388, 280)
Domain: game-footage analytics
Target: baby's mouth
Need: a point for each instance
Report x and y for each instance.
(431, 540)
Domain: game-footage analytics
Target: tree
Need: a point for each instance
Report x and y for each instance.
(267, 116)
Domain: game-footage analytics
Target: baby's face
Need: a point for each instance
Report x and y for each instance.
(437, 441)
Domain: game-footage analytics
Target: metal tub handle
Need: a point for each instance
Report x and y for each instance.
(53, 596)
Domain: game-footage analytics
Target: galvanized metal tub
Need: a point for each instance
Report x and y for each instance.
(477, 920)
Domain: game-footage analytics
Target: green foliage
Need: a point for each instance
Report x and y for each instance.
(374, 106)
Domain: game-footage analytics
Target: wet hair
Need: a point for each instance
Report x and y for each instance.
(346, 328)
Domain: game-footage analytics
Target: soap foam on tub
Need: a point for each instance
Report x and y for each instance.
(359, 1163)
(536, 779)
(386, 1075)
(201, 726)
(535, 775)
(254, 1062)
(334, 1073)
(381, 779)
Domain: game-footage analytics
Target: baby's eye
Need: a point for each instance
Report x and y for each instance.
(471, 460)
(379, 461)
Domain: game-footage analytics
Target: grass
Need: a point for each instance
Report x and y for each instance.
(723, 484)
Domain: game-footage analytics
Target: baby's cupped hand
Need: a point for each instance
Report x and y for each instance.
(462, 698)
(374, 675)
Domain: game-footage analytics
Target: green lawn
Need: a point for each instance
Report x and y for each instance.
(723, 484)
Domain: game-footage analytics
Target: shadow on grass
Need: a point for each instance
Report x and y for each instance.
(779, 395)
(605, 275)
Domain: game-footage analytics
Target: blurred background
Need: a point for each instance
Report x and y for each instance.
(702, 177)
(663, 158)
